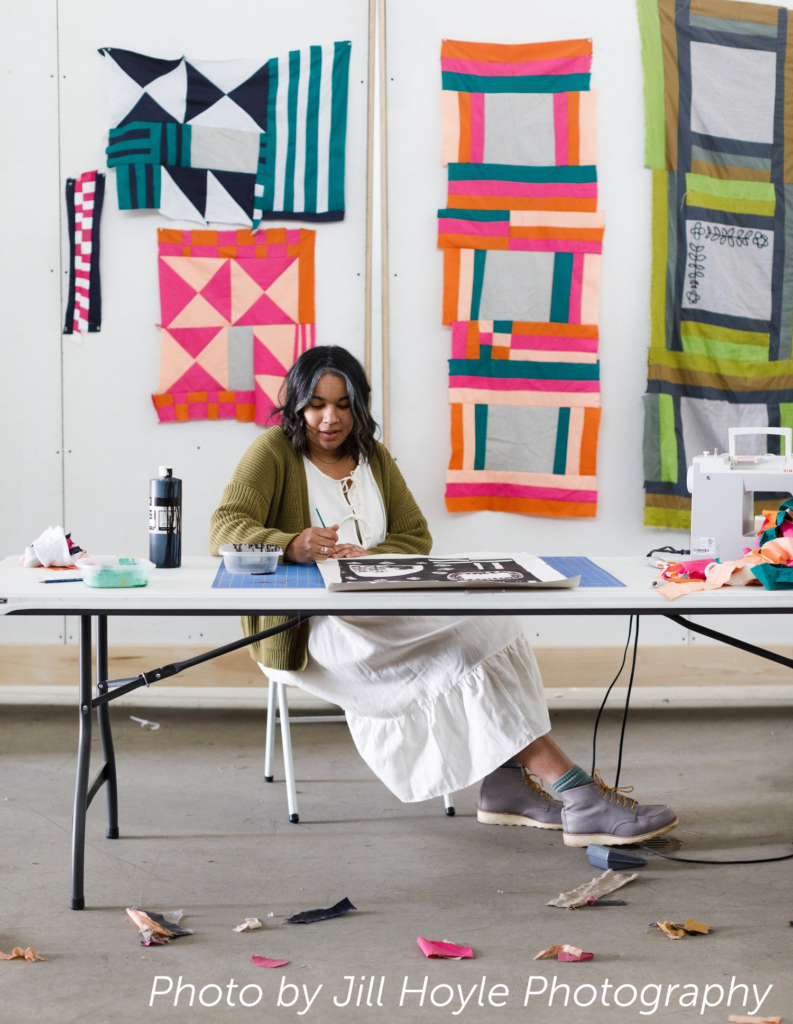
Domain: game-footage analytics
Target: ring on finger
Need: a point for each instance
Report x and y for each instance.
(323, 550)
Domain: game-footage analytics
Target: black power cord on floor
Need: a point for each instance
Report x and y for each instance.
(608, 693)
(692, 860)
(649, 849)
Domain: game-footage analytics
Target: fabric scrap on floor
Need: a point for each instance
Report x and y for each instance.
(680, 931)
(17, 953)
(157, 929)
(265, 961)
(736, 1019)
(250, 924)
(565, 953)
(309, 916)
(597, 887)
(445, 950)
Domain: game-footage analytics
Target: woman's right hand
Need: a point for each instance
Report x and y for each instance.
(313, 545)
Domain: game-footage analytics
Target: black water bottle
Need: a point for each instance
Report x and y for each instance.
(165, 520)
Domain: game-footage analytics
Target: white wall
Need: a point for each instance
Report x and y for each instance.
(79, 437)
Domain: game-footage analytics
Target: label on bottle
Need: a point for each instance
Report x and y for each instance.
(165, 518)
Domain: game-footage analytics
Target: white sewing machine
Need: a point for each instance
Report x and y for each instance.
(722, 494)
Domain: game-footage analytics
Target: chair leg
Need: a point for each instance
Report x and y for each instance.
(269, 739)
(286, 743)
(448, 803)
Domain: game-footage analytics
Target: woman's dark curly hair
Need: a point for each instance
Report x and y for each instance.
(299, 387)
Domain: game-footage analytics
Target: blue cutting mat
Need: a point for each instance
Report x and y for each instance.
(591, 575)
(286, 577)
(292, 576)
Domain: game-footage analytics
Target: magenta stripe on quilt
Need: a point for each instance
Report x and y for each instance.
(522, 384)
(553, 343)
(500, 69)
(583, 190)
(519, 491)
(477, 128)
(560, 125)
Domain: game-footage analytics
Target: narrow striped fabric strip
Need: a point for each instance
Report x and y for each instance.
(301, 156)
(84, 201)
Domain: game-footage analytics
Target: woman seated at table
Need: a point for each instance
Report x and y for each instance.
(433, 703)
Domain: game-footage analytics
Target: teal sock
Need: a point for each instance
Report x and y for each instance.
(512, 763)
(575, 777)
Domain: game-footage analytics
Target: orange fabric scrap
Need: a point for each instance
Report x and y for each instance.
(734, 574)
(565, 952)
(736, 1019)
(21, 954)
(145, 924)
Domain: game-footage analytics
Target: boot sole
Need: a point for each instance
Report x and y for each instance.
(605, 839)
(491, 818)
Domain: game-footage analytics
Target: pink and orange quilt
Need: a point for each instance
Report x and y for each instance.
(236, 310)
(522, 241)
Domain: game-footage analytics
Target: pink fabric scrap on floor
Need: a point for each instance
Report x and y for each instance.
(444, 950)
(265, 961)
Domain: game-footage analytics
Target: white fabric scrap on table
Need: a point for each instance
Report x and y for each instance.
(51, 548)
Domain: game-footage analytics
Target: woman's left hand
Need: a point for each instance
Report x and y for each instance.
(349, 551)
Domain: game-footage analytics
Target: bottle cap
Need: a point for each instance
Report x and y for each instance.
(166, 470)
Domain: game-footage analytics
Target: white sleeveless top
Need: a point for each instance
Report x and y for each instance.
(355, 503)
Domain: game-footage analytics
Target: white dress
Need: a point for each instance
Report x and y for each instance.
(434, 703)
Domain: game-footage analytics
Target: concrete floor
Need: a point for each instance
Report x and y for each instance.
(203, 833)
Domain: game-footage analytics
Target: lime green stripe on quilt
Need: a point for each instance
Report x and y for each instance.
(696, 329)
(660, 238)
(653, 65)
(718, 349)
(672, 518)
(730, 189)
(786, 414)
(667, 438)
(751, 206)
(721, 367)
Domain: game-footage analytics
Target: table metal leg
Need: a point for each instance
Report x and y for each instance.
(103, 717)
(83, 766)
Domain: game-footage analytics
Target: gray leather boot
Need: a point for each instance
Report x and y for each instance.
(597, 813)
(512, 796)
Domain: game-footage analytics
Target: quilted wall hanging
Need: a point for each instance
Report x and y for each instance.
(522, 239)
(718, 83)
(237, 309)
(231, 141)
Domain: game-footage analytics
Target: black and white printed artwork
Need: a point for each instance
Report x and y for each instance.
(434, 570)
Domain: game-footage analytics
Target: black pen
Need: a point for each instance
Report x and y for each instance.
(73, 579)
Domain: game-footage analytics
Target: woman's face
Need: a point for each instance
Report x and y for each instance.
(328, 414)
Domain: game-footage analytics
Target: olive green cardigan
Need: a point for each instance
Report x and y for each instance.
(266, 502)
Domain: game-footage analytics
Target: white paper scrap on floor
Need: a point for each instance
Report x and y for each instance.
(414, 572)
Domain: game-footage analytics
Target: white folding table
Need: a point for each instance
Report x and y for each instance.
(188, 591)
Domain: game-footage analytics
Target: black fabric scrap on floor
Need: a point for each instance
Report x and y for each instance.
(309, 916)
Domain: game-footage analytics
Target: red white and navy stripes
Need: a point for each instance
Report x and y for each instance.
(84, 198)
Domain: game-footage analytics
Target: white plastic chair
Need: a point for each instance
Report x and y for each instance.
(277, 692)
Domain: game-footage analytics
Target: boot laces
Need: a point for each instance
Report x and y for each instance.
(534, 784)
(615, 793)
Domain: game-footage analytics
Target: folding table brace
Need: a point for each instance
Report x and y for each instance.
(108, 690)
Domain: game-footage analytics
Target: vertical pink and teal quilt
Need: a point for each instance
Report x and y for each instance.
(522, 239)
